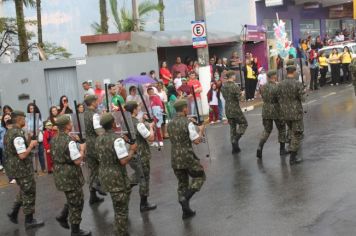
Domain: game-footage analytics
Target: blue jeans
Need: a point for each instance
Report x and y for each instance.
(41, 156)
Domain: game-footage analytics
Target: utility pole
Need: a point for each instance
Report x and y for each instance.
(135, 16)
(203, 53)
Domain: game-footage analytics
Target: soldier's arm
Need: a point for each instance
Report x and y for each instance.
(75, 154)
(147, 134)
(20, 146)
(301, 93)
(195, 137)
(96, 124)
(122, 154)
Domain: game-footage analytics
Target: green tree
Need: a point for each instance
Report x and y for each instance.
(53, 51)
(123, 18)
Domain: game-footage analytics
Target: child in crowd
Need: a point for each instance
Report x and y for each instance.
(177, 80)
(213, 99)
(157, 112)
(262, 78)
(48, 134)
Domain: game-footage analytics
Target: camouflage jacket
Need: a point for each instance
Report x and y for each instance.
(90, 133)
(182, 154)
(270, 108)
(352, 68)
(291, 96)
(14, 166)
(67, 175)
(113, 176)
(231, 94)
(143, 147)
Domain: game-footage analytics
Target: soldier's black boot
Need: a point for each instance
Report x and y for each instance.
(93, 198)
(189, 194)
(294, 159)
(30, 222)
(77, 231)
(282, 149)
(187, 212)
(63, 217)
(235, 144)
(260, 149)
(15, 212)
(145, 205)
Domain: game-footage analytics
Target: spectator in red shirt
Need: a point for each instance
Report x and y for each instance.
(193, 82)
(165, 74)
(99, 92)
(180, 67)
(157, 111)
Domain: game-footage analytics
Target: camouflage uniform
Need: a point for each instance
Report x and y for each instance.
(68, 177)
(21, 170)
(185, 163)
(91, 156)
(141, 162)
(231, 94)
(290, 99)
(352, 67)
(271, 112)
(114, 179)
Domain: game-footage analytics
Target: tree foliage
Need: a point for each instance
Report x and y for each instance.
(54, 51)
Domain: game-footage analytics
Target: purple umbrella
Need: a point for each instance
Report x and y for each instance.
(139, 79)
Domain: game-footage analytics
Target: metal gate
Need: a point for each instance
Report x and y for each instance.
(61, 81)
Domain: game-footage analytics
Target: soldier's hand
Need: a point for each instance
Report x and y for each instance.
(133, 147)
(83, 146)
(152, 125)
(33, 143)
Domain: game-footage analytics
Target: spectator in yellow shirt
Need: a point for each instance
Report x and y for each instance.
(334, 60)
(324, 67)
(345, 61)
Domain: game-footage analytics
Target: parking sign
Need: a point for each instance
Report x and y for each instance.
(199, 34)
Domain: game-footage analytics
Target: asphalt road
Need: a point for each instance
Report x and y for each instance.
(241, 196)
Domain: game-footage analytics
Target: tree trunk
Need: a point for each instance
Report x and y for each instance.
(39, 24)
(20, 19)
(161, 18)
(103, 17)
(135, 16)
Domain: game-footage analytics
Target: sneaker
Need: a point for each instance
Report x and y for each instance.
(218, 121)
(331, 84)
(212, 122)
(154, 144)
(1, 167)
(13, 181)
(337, 84)
(253, 99)
(248, 100)
(161, 144)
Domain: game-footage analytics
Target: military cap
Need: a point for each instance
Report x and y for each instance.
(291, 68)
(179, 104)
(131, 105)
(106, 118)
(48, 123)
(290, 62)
(89, 99)
(62, 120)
(230, 73)
(17, 113)
(271, 73)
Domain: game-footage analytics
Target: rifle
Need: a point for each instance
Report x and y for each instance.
(81, 140)
(199, 121)
(107, 97)
(34, 137)
(149, 120)
(129, 134)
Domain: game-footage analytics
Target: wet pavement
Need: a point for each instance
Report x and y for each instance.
(241, 196)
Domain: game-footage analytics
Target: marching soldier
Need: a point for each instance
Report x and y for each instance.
(271, 113)
(231, 93)
(92, 131)
(185, 163)
(19, 166)
(353, 73)
(113, 157)
(68, 176)
(290, 99)
(141, 162)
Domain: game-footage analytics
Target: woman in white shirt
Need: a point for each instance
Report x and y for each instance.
(163, 96)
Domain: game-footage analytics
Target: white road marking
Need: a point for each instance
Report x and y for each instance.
(328, 95)
(310, 102)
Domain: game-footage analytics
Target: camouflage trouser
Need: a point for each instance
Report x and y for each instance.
(296, 128)
(141, 175)
(268, 127)
(241, 122)
(75, 201)
(354, 83)
(27, 195)
(120, 201)
(93, 165)
(196, 172)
